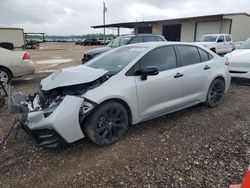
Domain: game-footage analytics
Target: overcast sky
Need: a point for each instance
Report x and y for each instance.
(66, 17)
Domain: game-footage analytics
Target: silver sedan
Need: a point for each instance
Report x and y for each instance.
(125, 86)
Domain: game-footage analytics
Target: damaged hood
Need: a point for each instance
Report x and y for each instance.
(98, 50)
(71, 76)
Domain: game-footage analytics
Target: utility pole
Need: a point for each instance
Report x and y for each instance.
(104, 13)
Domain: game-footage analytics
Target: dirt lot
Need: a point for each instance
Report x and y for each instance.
(196, 147)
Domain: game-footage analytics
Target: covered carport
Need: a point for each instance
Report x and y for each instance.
(145, 27)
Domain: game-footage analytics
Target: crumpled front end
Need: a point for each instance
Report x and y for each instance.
(58, 123)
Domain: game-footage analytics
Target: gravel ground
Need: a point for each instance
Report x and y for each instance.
(196, 147)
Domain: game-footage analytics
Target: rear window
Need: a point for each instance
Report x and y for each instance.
(188, 55)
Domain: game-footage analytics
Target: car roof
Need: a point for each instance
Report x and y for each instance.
(139, 35)
(161, 43)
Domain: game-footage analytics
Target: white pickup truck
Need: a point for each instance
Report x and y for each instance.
(218, 43)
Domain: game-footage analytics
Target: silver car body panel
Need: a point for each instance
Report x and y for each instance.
(64, 120)
(239, 63)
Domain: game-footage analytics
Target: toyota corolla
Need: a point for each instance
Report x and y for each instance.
(122, 87)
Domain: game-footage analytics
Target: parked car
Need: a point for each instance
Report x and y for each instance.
(14, 64)
(125, 86)
(79, 42)
(120, 41)
(239, 61)
(218, 43)
(107, 40)
(101, 40)
(90, 42)
(31, 44)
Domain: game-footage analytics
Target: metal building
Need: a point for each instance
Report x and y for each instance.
(190, 28)
(12, 35)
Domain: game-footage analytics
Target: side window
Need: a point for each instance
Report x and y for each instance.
(148, 39)
(228, 38)
(221, 39)
(204, 55)
(188, 55)
(136, 40)
(164, 58)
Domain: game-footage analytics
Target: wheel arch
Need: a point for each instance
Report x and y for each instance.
(220, 78)
(1, 66)
(217, 77)
(124, 103)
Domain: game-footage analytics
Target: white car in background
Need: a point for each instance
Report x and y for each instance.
(218, 43)
(239, 61)
(14, 64)
(124, 86)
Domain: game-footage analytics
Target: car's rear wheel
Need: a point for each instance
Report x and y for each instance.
(215, 93)
(5, 76)
(107, 124)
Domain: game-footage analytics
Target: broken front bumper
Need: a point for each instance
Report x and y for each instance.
(52, 126)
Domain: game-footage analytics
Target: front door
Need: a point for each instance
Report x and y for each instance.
(163, 92)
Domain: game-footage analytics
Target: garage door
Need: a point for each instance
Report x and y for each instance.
(204, 28)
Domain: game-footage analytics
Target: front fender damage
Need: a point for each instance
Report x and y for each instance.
(58, 124)
(64, 120)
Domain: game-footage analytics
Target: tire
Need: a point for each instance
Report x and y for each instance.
(107, 124)
(5, 75)
(215, 93)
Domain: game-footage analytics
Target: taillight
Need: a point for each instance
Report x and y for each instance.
(26, 56)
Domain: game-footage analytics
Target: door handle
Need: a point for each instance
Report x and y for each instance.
(207, 67)
(178, 75)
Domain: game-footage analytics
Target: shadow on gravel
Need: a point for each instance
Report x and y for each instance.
(241, 81)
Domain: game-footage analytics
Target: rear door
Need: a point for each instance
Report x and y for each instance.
(229, 42)
(221, 45)
(197, 67)
(163, 92)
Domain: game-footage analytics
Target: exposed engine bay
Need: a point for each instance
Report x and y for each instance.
(46, 98)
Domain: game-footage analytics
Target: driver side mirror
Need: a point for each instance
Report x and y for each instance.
(147, 71)
(219, 41)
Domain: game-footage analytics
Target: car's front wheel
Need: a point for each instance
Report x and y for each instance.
(107, 124)
(215, 93)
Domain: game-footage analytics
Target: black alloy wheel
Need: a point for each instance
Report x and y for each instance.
(107, 124)
(215, 93)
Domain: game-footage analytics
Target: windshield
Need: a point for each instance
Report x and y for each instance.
(207, 38)
(246, 44)
(119, 41)
(116, 60)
